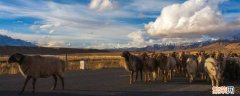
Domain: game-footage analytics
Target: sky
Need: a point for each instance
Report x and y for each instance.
(118, 23)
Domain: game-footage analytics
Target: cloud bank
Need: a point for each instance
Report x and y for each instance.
(195, 17)
(191, 21)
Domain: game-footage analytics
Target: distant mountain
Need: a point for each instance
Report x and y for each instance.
(168, 47)
(8, 50)
(8, 41)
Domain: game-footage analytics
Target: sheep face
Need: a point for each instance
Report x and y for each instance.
(125, 54)
(15, 58)
(144, 56)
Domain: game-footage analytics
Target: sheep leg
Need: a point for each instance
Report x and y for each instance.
(170, 77)
(190, 78)
(55, 82)
(141, 74)
(173, 73)
(136, 76)
(165, 76)
(145, 77)
(62, 79)
(216, 81)
(202, 76)
(182, 71)
(205, 77)
(33, 84)
(131, 76)
(154, 75)
(212, 80)
(149, 78)
(25, 83)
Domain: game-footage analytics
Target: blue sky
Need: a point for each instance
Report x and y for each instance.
(117, 23)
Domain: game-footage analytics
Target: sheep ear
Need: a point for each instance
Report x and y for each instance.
(128, 54)
(18, 57)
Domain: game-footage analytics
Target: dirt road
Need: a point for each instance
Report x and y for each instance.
(104, 82)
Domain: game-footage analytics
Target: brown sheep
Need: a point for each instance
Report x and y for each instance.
(134, 64)
(38, 67)
(150, 66)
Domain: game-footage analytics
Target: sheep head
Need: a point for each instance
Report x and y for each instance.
(16, 58)
(125, 54)
(144, 55)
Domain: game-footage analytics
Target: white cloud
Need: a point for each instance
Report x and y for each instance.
(143, 39)
(137, 39)
(193, 17)
(101, 5)
(72, 23)
(191, 21)
(137, 36)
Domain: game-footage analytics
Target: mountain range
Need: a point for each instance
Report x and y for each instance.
(9, 41)
(168, 47)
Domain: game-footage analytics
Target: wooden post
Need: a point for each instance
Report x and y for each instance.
(66, 60)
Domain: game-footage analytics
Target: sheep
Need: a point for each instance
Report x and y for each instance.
(167, 65)
(133, 64)
(163, 69)
(172, 64)
(191, 68)
(219, 57)
(213, 70)
(38, 67)
(178, 62)
(150, 66)
(201, 61)
(231, 71)
(182, 63)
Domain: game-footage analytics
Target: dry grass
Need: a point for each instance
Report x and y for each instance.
(95, 61)
(92, 62)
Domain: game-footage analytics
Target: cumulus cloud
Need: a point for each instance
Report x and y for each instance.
(191, 18)
(101, 5)
(137, 36)
(143, 39)
(138, 39)
(191, 21)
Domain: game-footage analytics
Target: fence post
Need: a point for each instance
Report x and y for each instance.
(66, 60)
(82, 65)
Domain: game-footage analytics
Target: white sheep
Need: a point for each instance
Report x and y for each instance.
(213, 70)
(38, 67)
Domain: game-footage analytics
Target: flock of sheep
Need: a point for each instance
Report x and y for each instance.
(217, 66)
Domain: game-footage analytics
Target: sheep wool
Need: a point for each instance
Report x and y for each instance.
(41, 67)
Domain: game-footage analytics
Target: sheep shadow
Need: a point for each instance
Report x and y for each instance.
(70, 92)
(28, 93)
(138, 93)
